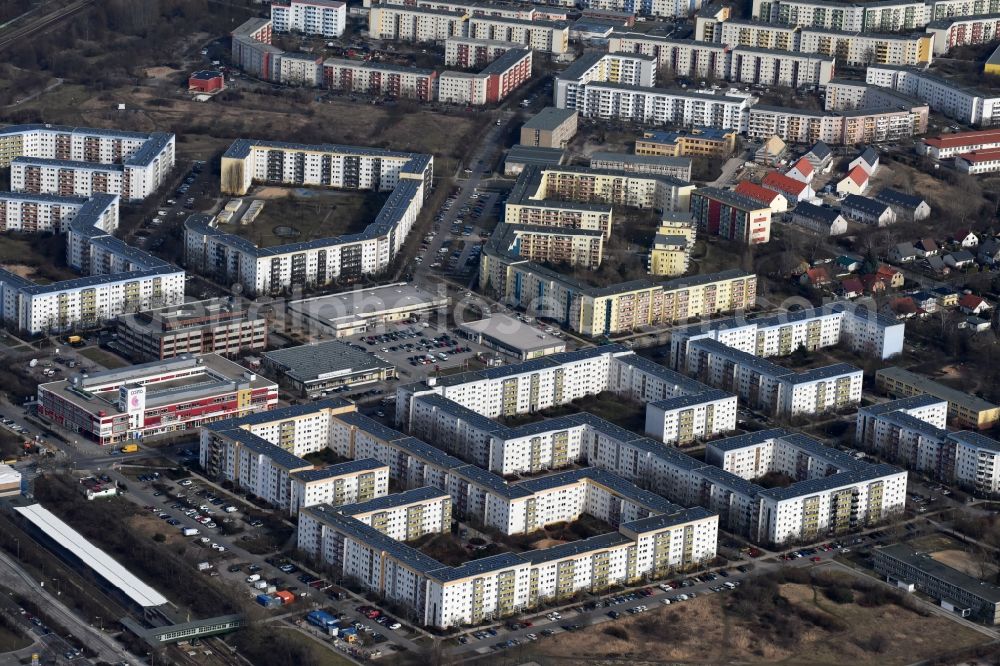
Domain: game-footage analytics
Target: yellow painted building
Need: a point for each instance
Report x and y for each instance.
(964, 410)
(703, 141)
(670, 254)
(992, 65)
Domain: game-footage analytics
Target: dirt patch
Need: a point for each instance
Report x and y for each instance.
(303, 214)
(967, 563)
(160, 72)
(707, 631)
(269, 192)
(546, 543)
(20, 270)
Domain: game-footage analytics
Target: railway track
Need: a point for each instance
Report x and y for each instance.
(43, 23)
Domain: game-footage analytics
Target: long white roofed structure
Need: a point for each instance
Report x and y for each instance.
(100, 562)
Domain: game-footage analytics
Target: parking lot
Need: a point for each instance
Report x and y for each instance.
(224, 522)
(196, 186)
(461, 241)
(608, 609)
(418, 352)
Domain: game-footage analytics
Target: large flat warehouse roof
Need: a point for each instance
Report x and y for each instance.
(512, 333)
(95, 558)
(352, 307)
(324, 360)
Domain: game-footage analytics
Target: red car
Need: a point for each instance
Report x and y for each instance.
(816, 559)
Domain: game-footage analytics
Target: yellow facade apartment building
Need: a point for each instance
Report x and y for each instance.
(964, 410)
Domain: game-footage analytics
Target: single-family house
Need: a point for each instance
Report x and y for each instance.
(959, 259)
(852, 288)
(847, 263)
(908, 207)
(820, 157)
(771, 151)
(926, 247)
(817, 276)
(802, 170)
(965, 237)
(946, 296)
(925, 301)
(989, 252)
(972, 304)
(874, 284)
(867, 211)
(775, 200)
(794, 190)
(902, 307)
(936, 265)
(974, 324)
(902, 253)
(855, 182)
(822, 220)
(867, 160)
(893, 276)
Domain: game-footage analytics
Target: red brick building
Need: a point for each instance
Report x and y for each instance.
(206, 81)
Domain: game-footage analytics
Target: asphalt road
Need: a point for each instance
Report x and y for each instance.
(467, 184)
(142, 494)
(13, 577)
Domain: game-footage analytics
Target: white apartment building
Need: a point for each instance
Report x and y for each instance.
(415, 24)
(736, 32)
(504, 584)
(910, 431)
(300, 69)
(964, 31)
(544, 36)
(809, 14)
(889, 16)
(75, 161)
(523, 388)
(233, 259)
(850, 47)
(377, 78)
(311, 17)
(344, 483)
(490, 85)
(856, 49)
(662, 106)
(913, 432)
(684, 419)
(679, 410)
(814, 504)
(636, 70)
(977, 461)
(31, 213)
(967, 105)
(36, 175)
(72, 179)
(861, 329)
(837, 503)
(522, 12)
(60, 306)
(680, 477)
(683, 57)
(843, 128)
(766, 67)
(474, 53)
(763, 385)
(406, 515)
